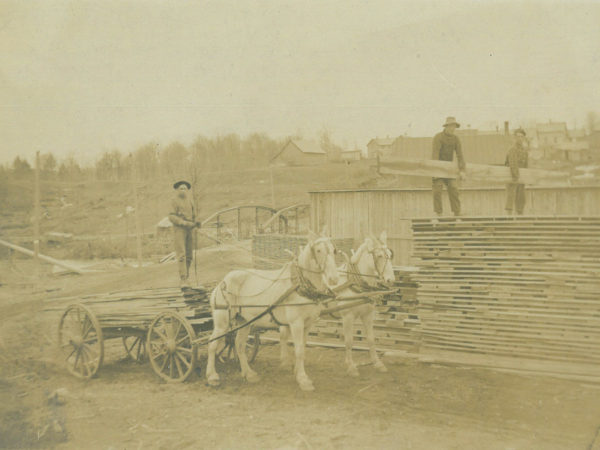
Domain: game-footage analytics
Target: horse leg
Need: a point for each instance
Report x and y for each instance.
(367, 320)
(348, 322)
(240, 346)
(285, 359)
(297, 331)
(220, 320)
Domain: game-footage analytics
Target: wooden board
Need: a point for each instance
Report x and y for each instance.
(447, 169)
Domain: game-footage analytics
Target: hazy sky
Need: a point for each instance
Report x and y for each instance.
(83, 77)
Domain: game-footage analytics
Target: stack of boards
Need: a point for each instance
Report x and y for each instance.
(395, 322)
(138, 308)
(511, 287)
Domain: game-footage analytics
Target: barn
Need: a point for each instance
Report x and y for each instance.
(300, 152)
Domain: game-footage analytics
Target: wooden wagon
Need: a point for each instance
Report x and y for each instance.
(162, 325)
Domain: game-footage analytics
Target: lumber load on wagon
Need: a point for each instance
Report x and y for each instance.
(137, 308)
(480, 172)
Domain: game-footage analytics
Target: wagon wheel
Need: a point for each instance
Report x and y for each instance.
(171, 347)
(135, 346)
(228, 353)
(80, 341)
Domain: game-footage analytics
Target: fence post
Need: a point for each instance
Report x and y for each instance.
(218, 228)
(36, 215)
(239, 224)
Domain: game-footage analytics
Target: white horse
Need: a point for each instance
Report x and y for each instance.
(370, 265)
(245, 294)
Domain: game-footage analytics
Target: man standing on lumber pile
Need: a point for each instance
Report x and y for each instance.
(517, 158)
(183, 218)
(445, 145)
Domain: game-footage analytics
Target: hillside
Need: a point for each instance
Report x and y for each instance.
(95, 212)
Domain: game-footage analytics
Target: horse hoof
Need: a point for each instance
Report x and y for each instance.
(214, 382)
(286, 365)
(381, 368)
(307, 386)
(353, 371)
(252, 377)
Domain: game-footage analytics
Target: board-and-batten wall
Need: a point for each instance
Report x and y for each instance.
(354, 213)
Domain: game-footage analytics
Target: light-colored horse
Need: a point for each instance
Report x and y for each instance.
(244, 294)
(370, 265)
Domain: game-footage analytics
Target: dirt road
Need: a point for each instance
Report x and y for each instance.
(415, 405)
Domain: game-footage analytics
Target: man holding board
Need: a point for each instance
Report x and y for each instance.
(445, 145)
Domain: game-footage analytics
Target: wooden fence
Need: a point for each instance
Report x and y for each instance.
(352, 213)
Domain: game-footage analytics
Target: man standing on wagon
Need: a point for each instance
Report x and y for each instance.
(445, 145)
(183, 218)
(517, 158)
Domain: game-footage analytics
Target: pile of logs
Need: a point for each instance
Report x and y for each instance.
(526, 287)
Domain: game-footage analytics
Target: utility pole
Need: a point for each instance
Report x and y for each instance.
(36, 215)
(138, 223)
(272, 186)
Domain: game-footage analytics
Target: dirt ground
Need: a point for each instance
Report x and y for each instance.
(415, 405)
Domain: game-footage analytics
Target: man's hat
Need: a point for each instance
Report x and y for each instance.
(451, 121)
(520, 131)
(179, 183)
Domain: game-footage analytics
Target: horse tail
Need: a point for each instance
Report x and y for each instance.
(218, 299)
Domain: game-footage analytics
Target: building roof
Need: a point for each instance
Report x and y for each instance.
(577, 133)
(356, 150)
(165, 222)
(383, 142)
(552, 127)
(307, 146)
(573, 146)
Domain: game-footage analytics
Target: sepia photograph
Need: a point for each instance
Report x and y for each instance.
(300, 224)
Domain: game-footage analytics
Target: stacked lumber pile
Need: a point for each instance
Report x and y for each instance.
(526, 287)
(137, 308)
(395, 325)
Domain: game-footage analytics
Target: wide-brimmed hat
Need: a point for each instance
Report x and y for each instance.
(179, 183)
(451, 121)
(520, 131)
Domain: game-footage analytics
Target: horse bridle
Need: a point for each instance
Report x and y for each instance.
(306, 282)
(388, 257)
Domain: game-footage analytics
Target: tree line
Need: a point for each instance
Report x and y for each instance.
(227, 152)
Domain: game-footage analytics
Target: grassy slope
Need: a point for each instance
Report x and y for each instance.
(97, 204)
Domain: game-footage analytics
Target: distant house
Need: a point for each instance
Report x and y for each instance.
(351, 155)
(570, 151)
(300, 152)
(577, 135)
(380, 146)
(552, 134)
(593, 139)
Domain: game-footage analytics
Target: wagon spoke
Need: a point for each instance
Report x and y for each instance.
(139, 348)
(179, 341)
(159, 354)
(177, 331)
(171, 365)
(77, 359)
(178, 364)
(184, 349)
(162, 335)
(71, 354)
(182, 359)
(86, 328)
(164, 363)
